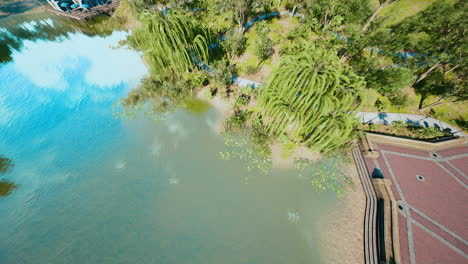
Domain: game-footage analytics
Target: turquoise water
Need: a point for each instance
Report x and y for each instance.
(93, 188)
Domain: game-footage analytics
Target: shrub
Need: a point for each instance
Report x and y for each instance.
(222, 72)
(260, 138)
(390, 80)
(237, 120)
(208, 94)
(249, 69)
(429, 132)
(249, 90)
(224, 91)
(398, 99)
(234, 45)
(381, 105)
(242, 100)
(263, 47)
(263, 44)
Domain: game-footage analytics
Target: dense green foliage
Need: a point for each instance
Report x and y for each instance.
(234, 45)
(263, 43)
(443, 88)
(326, 12)
(175, 47)
(352, 11)
(238, 9)
(436, 36)
(382, 4)
(165, 96)
(398, 128)
(309, 96)
(391, 80)
(172, 44)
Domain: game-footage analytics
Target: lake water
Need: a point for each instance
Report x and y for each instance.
(93, 188)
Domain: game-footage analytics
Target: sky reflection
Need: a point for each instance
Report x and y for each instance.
(56, 100)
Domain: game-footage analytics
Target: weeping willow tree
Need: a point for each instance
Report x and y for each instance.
(310, 97)
(175, 48)
(173, 43)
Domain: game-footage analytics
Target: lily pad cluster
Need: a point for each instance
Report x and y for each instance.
(326, 174)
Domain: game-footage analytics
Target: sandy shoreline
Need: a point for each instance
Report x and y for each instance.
(341, 230)
(277, 157)
(223, 106)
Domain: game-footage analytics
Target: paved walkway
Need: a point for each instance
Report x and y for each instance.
(432, 192)
(246, 83)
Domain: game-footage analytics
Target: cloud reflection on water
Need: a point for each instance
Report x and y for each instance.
(47, 63)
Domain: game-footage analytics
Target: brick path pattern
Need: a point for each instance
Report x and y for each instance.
(431, 191)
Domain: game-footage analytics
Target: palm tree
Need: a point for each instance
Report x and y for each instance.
(172, 43)
(310, 96)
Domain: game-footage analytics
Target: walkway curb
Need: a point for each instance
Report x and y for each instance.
(416, 144)
(370, 217)
(389, 239)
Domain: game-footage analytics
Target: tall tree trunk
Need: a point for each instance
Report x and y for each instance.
(438, 102)
(345, 58)
(241, 21)
(294, 10)
(368, 23)
(431, 69)
(421, 101)
(325, 18)
(451, 69)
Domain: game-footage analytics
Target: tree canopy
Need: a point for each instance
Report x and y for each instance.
(172, 43)
(444, 88)
(435, 36)
(310, 96)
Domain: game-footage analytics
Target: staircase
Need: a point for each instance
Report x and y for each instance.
(370, 223)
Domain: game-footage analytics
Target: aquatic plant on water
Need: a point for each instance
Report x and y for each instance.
(326, 174)
(240, 147)
(6, 187)
(5, 164)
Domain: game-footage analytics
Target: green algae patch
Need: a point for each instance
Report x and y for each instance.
(197, 106)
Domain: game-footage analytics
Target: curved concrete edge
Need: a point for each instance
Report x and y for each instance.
(388, 118)
(370, 217)
(415, 144)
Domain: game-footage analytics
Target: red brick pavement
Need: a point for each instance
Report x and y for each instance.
(439, 202)
(453, 151)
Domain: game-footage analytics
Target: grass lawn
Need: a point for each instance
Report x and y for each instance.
(401, 10)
